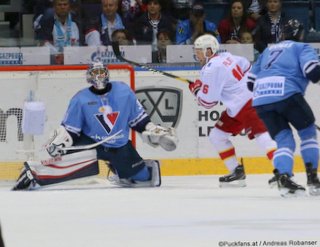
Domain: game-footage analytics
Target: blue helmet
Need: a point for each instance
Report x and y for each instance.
(293, 30)
(98, 75)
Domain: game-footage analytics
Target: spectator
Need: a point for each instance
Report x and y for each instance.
(236, 22)
(255, 8)
(147, 26)
(269, 26)
(247, 38)
(130, 10)
(181, 9)
(99, 30)
(58, 29)
(164, 40)
(197, 24)
(122, 36)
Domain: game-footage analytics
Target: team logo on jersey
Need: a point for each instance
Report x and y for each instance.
(162, 104)
(107, 120)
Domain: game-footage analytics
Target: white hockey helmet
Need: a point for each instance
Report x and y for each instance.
(207, 41)
(98, 75)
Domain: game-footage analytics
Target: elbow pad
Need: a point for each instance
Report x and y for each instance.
(313, 72)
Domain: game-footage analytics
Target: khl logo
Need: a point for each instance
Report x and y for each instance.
(162, 104)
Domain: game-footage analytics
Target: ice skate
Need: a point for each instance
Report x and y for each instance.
(287, 187)
(273, 182)
(234, 179)
(313, 182)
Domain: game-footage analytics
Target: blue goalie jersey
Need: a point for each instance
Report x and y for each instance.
(99, 116)
(280, 71)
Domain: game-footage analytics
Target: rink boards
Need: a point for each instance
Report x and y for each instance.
(168, 101)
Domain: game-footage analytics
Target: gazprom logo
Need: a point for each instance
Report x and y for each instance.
(104, 55)
(163, 105)
(11, 58)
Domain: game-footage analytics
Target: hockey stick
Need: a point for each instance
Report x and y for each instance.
(116, 50)
(93, 145)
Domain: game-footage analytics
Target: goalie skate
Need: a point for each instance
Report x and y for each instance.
(155, 177)
(26, 180)
(313, 182)
(235, 179)
(287, 187)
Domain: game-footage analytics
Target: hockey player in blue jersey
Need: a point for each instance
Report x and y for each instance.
(94, 113)
(279, 79)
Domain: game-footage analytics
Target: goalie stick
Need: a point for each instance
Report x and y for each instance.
(116, 50)
(80, 147)
(93, 145)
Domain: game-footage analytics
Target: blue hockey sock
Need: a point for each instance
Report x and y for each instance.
(283, 156)
(309, 146)
(283, 160)
(310, 152)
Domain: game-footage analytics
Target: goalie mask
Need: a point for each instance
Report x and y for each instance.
(98, 75)
(293, 30)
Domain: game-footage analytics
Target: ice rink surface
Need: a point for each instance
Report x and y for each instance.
(185, 212)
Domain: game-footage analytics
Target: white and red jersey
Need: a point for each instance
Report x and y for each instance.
(224, 79)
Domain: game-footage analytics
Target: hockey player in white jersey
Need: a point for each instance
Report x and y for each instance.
(223, 79)
(95, 113)
(279, 79)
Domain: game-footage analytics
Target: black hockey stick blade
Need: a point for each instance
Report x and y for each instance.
(116, 50)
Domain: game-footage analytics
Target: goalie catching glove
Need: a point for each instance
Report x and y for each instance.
(60, 138)
(156, 135)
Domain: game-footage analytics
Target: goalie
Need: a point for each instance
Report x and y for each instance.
(94, 113)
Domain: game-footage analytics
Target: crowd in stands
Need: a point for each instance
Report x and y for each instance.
(60, 23)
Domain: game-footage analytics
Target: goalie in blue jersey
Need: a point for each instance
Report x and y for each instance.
(279, 80)
(95, 114)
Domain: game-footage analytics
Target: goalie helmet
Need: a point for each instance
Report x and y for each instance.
(293, 30)
(207, 41)
(98, 75)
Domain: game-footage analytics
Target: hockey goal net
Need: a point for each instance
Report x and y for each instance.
(52, 85)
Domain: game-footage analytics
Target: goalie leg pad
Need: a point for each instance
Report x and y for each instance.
(64, 168)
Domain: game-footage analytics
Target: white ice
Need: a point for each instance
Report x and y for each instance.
(189, 211)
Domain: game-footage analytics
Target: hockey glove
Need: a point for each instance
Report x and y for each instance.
(313, 72)
(156, 135)
(195, 87)
(250, 82)
(59, 138)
